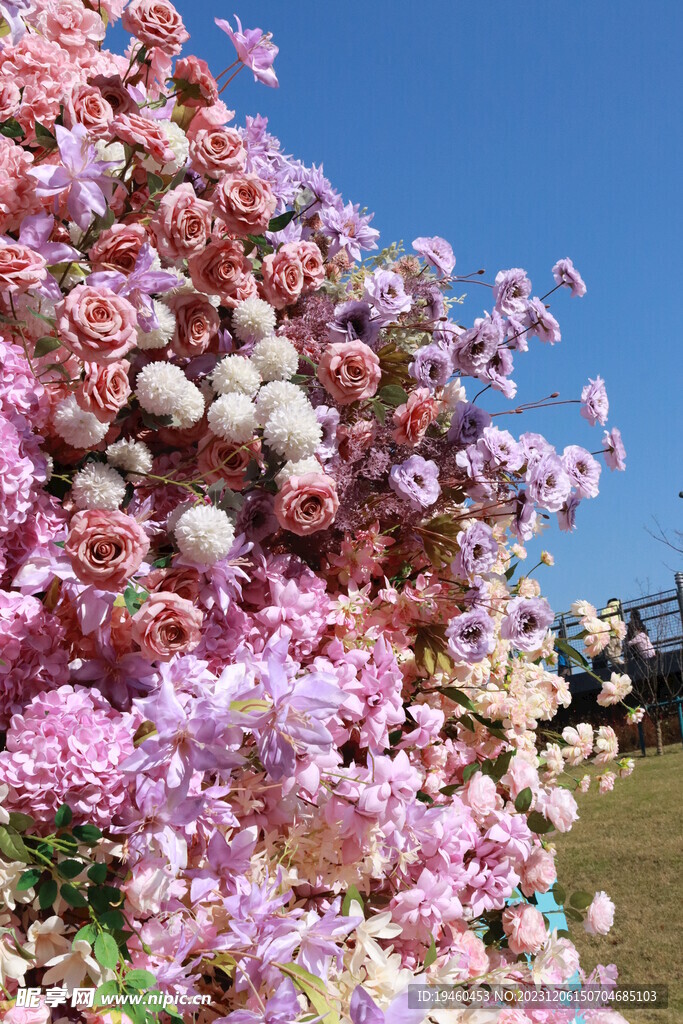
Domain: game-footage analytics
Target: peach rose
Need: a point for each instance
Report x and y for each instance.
(118, 247)
(105, 390)
(538, 872)
(70, 24)
(96, 324)
(349, 371)
(87, 106)
(183, 582)
(217, 151)
(196, 326)
(143, 133)
(224, 460)
(525, 928)
(21, 269)
(412, 419)
(312, 263)
(220, 269)
(245, 203)
(166, 625)
(194, 82)
(181, 224)
(115, 93)
(307, 504)
(156, 23)
(105, 548)
(283, 276)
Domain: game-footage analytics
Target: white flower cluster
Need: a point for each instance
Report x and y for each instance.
(98, 486)
(204, 534)
(77, 427)
(253, 319)
(163, 390)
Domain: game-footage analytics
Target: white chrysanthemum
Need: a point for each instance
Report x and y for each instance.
(98, 486)
(180, 145)
(253, 319)
(130, 456)
(78, 428)
(204, 534)
(186, 287)
(161, 336)
(191, 407)
(277, 393)
(236, 373)
(160, 388)
(111, 151)
(293, 431)
(300, 468)
(233, 417)
(275, 358)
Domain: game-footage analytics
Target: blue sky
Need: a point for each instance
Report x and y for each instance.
(521, 132)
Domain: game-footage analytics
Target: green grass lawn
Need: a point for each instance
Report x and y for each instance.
(630, 844)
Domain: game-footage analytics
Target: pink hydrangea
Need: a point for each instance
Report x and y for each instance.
(17, 189)
(67, 747)
(32, 655)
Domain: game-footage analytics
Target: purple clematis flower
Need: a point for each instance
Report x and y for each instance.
(255, 49)
(139, 285)
(364, 1010)
(35, 233)
(80, 174)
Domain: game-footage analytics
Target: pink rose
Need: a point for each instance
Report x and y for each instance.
(118, 247)
(181, 224)
(220, 269)
(480, 794)
(560, 808)
(512, 1017)
(166, 625)
(87, 106)
(196, 326)
(307, 504)
(600, 915)
(224, 460)
(105, 390)
(115, 93)
(143, 133)
(96, 324)
(283, 276)
(27, 1014)
(349, 371)
(312, 263)
(21, 269)
(215, 116)
(521, 775)
(194, 82)
(245, 203)
(105, 548)
(538, 872)
(412, 419)
(217, 151)
(156, 23)
(70, 24)
(17, 187)
(525, 928)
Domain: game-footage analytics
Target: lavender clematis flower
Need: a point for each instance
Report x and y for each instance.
(471, 636)
(318, 948)
(255, 49)
(139, 285)
(349, 229)
(282, 1008)
(417, 481)
(437, 252)
(80, 174)
(12, 15)
(353, 320)
(364, 1010)
(526, 622)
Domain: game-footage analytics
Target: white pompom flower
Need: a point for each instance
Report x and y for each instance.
(236, 373)
(204, 534)
(300, 468)
(130, 456)
(160, 388)
(278, 393)
(275, 358)
(161, 336)
(98, 486)
(178, 141)
(253, 319)
(293, 431)
(233, 417)
(190, 408)
(78, 428)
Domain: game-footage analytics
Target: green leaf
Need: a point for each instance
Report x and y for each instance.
(495, 728)
(45, 136)
(571, 652)
(467, 722)
(88, 834)
(559, 893)
(501, 765)
(45, 345)
(133, 599)
(140, 979)
(87, 934)
(141, 55)
(454, 694)
(63, 816)
(572, 915)
(12, 845)
(72, 896)
(20, 821)
(393, 395)
(469, 770)
(379, 411)
(278, 223)
(28, 879)
(11, 129)
(47, 894)
(110, 988)
(430, 956)
(511, 571)
(177, 179)
(106, 950)
(113, 919)
(97, 873)
(315, 991)
(450, 790)
(523, 801)
(155, 183)
(70, 868)
(580, 900)
(351, 896)
(537, 823)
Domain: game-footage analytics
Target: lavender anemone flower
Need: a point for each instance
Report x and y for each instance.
(328, 418)
(139, 285)
(565, 273)
(615, 453)
(582, 469)
(511, 290)
(594, 402)
(432, 366)
(256, 519)
(526, 622)
(500, 448)
(416, 480)
(468, 424)
(80, 174)
(566, 516)
(498, 372)
(437, 252)
(541, 323)
(475, 348)
(364, 1010)
(354, 320)
(384, 289)
(478, 551)
(524, 516)
(549, 484)
(471, 636)
(255, 50)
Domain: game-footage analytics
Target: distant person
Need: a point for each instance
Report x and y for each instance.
(639, 648)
